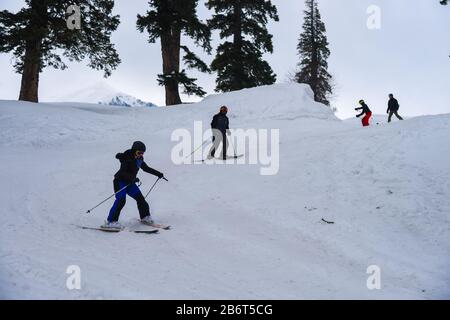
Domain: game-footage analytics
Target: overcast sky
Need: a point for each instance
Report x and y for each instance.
(408, 55)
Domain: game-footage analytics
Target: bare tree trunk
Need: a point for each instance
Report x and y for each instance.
(170, 47)
(30, 74)
(32, 59)
(237, 46)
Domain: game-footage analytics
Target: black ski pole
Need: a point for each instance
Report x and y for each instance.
(89, 211)
(154, 186)
(234, 149)
(204, 142)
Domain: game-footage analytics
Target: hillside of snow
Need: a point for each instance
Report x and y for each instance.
(104, 94)
(236, 234)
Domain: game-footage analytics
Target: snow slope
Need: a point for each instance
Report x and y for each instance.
(236, 234)
(376, 119)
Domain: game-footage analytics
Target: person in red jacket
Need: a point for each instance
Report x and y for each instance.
(366, 112)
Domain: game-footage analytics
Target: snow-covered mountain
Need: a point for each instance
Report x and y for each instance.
(102, 93)
(236, 234)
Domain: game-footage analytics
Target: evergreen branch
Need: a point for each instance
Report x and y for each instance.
(193, 61)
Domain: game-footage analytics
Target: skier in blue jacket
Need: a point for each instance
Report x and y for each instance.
(130, 162)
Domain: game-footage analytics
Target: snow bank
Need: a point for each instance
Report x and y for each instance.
(280, 101)
(42, 125)
(46, 124)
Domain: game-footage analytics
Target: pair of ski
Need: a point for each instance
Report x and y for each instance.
(228, 158)
(157, 226)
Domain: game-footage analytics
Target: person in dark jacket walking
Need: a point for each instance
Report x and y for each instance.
(220, 127)
(393, 107)
(365, 111)
(130, 162)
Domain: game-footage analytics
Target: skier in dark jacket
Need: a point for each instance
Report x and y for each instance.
(220, 127)
(365, 110)
(130, 162)
(393, 107)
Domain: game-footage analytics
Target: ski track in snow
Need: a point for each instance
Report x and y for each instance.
(236, 234)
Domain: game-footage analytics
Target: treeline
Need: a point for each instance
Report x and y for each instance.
(38, 37)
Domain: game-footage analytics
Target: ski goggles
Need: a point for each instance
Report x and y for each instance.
(140, 153)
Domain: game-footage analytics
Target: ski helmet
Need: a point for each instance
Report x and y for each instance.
(138, 146)
(361, 101)
(223, 109)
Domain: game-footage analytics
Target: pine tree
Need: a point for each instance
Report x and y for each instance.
(167, 20)
(444, 2)
(239, 63)
(38, 36)
(314, 52)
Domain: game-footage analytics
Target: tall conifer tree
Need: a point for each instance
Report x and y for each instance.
(38, 36)
(168, 20)
(314, 52)
(239, 62)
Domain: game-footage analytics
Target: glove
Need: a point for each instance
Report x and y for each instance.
(136, 180)
(160, 175)
(358, 116)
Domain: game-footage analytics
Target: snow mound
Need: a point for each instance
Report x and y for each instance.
(287, 101)
(63, 122)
